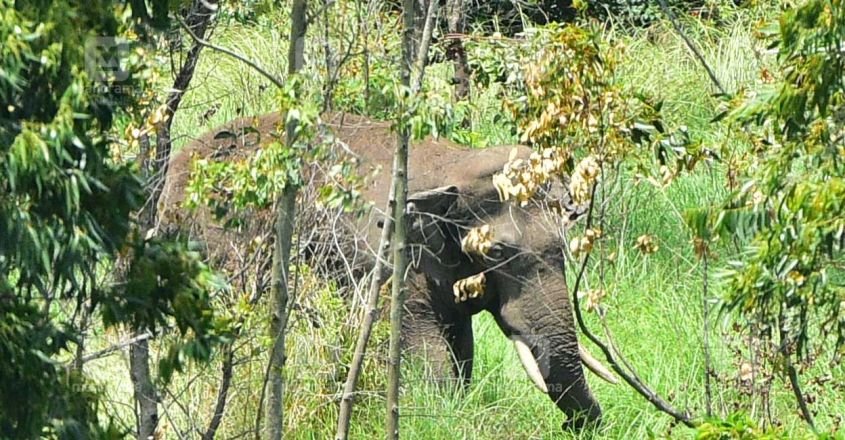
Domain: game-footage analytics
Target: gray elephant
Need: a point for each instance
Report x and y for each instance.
(518, 280)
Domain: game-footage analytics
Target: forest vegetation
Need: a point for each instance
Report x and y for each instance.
(701, 143)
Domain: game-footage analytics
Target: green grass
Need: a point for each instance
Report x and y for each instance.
(654, 309)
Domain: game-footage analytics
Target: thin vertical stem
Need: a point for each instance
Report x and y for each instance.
(285, 220)
(400, 256)
(708, 392)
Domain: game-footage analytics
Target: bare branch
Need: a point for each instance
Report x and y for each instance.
(674, 20)
(378, 279)
(222, 394)
(629, 376)
(276, 81)
(114, 348)
(794, 384)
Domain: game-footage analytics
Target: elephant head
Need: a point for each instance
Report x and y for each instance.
(477, 253)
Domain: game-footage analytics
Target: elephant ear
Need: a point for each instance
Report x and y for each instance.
(435, 202)
(430, 205)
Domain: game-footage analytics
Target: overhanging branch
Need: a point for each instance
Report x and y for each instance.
(276, 81)
(629, 376)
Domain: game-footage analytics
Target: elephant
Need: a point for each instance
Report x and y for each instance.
(518, 280)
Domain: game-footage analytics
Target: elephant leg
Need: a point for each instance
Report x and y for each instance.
(423, 340)
(445, 342)
(462, 346)
(539, 322)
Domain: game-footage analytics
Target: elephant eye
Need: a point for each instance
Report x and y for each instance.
(496, 251)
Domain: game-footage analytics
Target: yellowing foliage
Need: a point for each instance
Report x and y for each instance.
(520, 179)
(647, 244)
(583, 245)
(469, 288)
(478, 241)
(593, 299)
(584, 177)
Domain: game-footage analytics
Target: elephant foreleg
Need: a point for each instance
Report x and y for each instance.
(445, 345)
(461, 345)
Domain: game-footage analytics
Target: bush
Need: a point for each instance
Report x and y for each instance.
(637, 12)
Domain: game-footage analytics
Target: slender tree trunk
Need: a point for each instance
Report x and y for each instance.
(400, 256)
(285, 219)
(455, 13)
(285, 206)
(199, 20)
(365, 53)
(397, 296)
(370, 315)
(222, 393)
(379, 272)
(708, 364)
(422, 53)
(786, 351)
(146, 398)
(328, 87)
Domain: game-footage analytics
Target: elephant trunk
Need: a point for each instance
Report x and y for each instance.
(537, 317)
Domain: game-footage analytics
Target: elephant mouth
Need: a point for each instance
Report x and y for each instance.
(532, 367)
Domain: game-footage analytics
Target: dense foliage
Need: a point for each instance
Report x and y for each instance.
(79, 84)
(66, 216)
(791, 200)
(640, 12)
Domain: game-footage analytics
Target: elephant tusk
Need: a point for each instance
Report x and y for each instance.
(529, 363)
(595, 366)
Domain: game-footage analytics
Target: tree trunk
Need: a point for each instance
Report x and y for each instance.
(379, 273)
(285, 218)
(455, 13)
(144, 390)
(365, 53)
(422, 53)
(328, 87)
(378, 278)
(199, 19)
(285, 212)
(400, 256)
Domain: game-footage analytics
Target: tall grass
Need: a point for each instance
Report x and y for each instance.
(654, 310)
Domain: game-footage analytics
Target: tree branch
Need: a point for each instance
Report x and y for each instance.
(674, 20)
(114, 348)
(222, 394)
(378, 278)
(276, 81)
(631, 378)
(794, 384)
